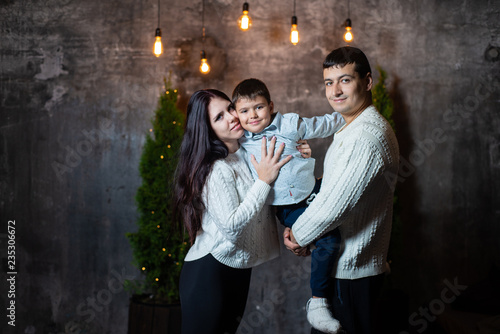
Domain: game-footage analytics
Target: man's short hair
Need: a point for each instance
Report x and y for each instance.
(250, 89)
(348, 55)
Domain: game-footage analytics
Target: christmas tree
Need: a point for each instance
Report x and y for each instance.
(385, 105)
(381, 99)
(158, 245)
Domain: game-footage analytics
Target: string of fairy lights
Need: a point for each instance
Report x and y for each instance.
(158, 226)
(245, 23)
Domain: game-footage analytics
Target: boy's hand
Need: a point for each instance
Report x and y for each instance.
(269, 166)
(304, 148)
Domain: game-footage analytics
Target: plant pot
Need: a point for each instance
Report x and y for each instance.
(150, 318)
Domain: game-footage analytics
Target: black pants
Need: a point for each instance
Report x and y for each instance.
(213, 296)
(354, 304)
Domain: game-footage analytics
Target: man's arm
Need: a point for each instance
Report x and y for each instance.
(320, 126)
(357, 167)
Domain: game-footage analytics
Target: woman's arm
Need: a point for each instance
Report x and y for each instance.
(230, 212)
(224, 205)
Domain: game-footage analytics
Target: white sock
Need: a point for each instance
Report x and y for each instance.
(320, 317)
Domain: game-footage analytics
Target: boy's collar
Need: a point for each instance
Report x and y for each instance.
(275, 123)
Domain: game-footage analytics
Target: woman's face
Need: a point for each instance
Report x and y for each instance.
(225, 123)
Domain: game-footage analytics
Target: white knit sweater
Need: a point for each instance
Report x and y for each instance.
(356, 195)
(238, 229)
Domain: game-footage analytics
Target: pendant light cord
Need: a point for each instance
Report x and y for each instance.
(203, 21)
(158, 13)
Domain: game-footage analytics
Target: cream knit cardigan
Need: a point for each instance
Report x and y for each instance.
(238, 229)
(356, 195)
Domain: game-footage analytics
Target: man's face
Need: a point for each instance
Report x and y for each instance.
(346, 92)
(254, 114)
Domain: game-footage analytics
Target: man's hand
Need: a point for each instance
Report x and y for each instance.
(292, 245)
(304, 148)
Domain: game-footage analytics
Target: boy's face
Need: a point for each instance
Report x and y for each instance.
(254, 114)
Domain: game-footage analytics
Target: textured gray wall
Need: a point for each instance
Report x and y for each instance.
(78, 85)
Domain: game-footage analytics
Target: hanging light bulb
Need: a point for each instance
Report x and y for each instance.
(158, 47)
(204, 67)
(245, 22)
(348, 36)
(294, 33)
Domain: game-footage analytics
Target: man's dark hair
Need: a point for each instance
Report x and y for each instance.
(348, 55)
(250, 89)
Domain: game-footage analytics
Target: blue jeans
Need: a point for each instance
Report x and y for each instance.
(323, 258)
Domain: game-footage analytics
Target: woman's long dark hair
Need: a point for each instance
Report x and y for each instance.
(199, 150)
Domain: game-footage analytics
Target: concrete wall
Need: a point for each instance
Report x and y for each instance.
(78, 86)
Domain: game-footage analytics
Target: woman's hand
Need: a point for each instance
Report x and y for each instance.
(304, 148)
(269, 166)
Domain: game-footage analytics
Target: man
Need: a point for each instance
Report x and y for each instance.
(356, 194)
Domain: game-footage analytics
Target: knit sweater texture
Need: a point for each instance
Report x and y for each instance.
(238, 229)
(356, 196)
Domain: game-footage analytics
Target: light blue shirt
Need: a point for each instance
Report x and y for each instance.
(296, 178)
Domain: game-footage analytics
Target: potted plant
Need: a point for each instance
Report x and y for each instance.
(158, 245)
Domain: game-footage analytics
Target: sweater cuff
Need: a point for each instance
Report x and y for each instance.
(301, 235)
(261, 188)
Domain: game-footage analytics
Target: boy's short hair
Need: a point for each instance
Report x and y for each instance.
(250, 89)
(348, 55)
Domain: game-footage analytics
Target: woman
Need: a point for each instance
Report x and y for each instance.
(230, 228)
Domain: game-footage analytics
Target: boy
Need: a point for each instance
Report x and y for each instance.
(295, 184)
